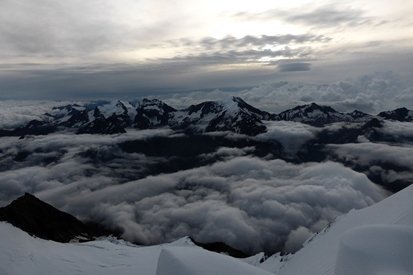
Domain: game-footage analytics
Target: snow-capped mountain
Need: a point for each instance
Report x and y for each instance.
(358, 115)
(152, 113)
(400, 114)
(316, 115)
(233, 115)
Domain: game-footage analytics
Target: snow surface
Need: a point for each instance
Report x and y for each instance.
(375, 240)
(23, 254)
(190, 260)
(376, 249)
(376, 243)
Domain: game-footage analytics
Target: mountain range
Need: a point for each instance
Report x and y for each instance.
(235, 115)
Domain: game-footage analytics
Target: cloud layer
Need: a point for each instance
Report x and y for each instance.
(371, 93)
(249, 203)
(329, 16)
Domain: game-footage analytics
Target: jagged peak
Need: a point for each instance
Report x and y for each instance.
(358, 114)
(315, 106)
(67, 107)
(97, 112)
(309, 108)
(238, 99)
(204, 107)
(373, 123)
(398, 110)
(146, 102)
(400, 114)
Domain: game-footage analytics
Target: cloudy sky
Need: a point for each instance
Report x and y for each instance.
(52, 48)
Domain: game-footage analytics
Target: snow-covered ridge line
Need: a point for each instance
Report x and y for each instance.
(232, 115)
(23, 254)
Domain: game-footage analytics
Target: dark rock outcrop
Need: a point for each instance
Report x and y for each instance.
(44, 221)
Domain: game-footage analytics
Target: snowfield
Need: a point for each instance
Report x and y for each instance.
(21, 254)
(374, 240)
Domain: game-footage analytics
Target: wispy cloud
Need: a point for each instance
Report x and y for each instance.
(211, 43)
(328, 16)
(294, 66)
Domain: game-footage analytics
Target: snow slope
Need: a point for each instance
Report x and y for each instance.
(369, 235)
(376, 249)
(375, 240)
(23, 254)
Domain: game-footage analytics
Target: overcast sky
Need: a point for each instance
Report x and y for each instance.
(55, 48)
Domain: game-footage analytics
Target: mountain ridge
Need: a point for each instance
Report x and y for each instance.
(234, 115)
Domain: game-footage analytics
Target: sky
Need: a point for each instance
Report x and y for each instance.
(74, 48)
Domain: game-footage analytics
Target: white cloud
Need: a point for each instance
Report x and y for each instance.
(15, 113)
(369, 93)
(249, 203)
(368, 153)
(292, 135)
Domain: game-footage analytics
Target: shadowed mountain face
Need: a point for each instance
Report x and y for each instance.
(44, 221)
(234, 115)
(400, 114)
(221, 247)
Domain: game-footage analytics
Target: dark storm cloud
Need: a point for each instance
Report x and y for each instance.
(294, 66)
(325, 16)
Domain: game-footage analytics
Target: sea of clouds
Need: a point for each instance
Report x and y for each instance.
(250, 203)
